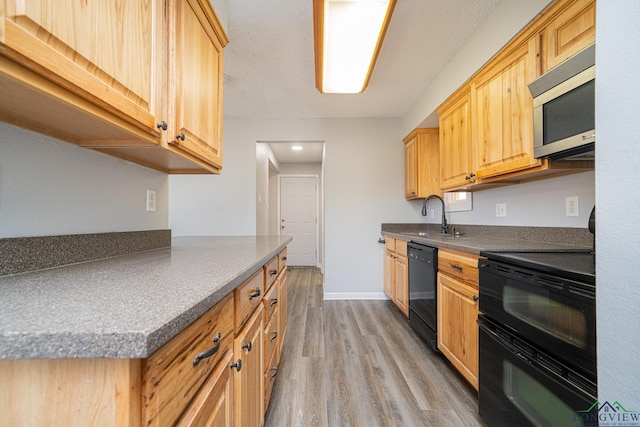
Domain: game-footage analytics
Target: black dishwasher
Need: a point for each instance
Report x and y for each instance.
(423, 265)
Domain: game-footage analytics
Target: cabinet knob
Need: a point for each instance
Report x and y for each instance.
(275, 372)
(213, 350)
(237, 365)
(255, 294)
(475, 298)
(456, 267)
(162, 125)
(180, 136)
(247, 346)
(470, 176)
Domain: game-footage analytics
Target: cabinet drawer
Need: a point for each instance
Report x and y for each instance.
(270, 302)
(401, 248)
(270, 272)
(270, 340)
(461, 265)
(390, 243)
(282, 259)
(171, 375)
(247, 297)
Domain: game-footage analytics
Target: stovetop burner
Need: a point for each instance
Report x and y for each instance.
(572, 265)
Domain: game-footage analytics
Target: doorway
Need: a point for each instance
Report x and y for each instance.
(299, 218)
(285, 180)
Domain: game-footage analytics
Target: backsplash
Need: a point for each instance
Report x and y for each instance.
(23, 254)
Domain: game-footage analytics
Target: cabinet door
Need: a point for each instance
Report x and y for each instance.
(570, 32)
(457, 328)
(402, 284)
(422, 163)
(283, 302)
(248, 386)
(390, 274)
(503, 111)
(195, 79)
(214, 404)
(455, 144)
(109, 53)
(411, 168)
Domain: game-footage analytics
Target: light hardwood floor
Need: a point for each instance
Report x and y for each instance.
(359, 363)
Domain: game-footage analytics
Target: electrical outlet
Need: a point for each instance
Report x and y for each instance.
(571, 206)
(501, 209)
(151, 201)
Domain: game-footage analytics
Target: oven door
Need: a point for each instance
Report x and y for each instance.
(553, 313)
(521, 386)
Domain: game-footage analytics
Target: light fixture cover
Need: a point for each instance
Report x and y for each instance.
(348, 36)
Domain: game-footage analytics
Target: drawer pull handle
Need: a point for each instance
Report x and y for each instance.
(237, 365)
(274, 302)
(275, 372)
(255, 294)
(456, 267)
(274, 336)
(284, 258)
(247, 346)
(273, 272)
(213, 350)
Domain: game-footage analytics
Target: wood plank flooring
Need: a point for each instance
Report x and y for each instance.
(359, 363)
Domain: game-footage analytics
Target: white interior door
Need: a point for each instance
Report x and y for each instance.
(298, 218)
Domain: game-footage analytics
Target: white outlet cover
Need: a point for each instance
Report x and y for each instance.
(501, 209)
(151, 201)
(572, 207)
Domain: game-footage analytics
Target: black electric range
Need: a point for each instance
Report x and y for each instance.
(576, 265)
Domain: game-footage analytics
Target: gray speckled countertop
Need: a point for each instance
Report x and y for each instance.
(125, 306)
(476, 244)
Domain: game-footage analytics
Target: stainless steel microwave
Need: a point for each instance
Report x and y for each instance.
(564, 109)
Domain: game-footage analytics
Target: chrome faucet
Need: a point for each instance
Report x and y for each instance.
(444, 225)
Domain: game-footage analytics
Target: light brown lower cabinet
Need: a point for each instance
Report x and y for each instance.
(248, 390)
(458, 311)
(213, 406)
(212, 373)
(396, 273)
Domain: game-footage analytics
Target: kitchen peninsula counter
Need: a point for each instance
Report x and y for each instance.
(126, 306)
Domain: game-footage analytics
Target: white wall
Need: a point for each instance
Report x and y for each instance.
(49, 187)
(360, 193)
(265, 162)
(618, 201)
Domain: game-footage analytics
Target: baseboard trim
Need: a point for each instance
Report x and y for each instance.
(355, 296)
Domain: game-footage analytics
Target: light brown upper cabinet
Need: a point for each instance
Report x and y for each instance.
(502, 108)
(456, 149)
(422, 163)
(573, 29)
(112, 76)
(486, 126)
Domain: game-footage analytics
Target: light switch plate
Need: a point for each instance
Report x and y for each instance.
(501, 209)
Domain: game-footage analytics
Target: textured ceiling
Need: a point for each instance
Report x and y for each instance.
(269, 60)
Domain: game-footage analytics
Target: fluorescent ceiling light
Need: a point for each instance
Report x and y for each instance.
(348, 36)
(296, 147)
